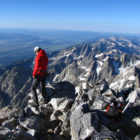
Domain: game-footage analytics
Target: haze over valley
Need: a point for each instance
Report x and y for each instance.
(16, 44)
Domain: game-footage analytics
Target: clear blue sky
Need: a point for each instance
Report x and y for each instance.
(89, 15)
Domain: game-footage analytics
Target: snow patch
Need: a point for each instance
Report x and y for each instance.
(87, 74)
(31, 132)
(87, 69)
(131, 78)
(81, 56)
(77, 89)
(82, 79)
(83, 67)
(55, 77)
(132, 97)
(117, 85)
(105, 59)
(135, 63)
(113, 84)
(99, 67)
(123, 71)
(84, 86)
(99, 55)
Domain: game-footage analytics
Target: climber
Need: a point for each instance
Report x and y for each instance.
(114, 110)
(39, 74)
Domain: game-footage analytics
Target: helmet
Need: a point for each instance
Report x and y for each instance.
(36, 48)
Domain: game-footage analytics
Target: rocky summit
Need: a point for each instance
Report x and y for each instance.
(82, 80)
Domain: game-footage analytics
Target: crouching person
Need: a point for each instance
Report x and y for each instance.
(114, 110)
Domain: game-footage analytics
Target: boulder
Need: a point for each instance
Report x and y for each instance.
(83, 123)
(5, 133)
(63, 97)
(10, 124)
(33, 122)
(62, 104)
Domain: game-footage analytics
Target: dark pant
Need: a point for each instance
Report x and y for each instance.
(36, 81)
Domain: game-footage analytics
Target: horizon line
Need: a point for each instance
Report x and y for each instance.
(74, 30)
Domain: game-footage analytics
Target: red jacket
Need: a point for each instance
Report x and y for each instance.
(41, 63)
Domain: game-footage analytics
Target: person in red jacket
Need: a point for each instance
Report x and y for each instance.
(39, 73)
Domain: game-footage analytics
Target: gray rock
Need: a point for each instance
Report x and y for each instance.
(105, 133)
(55, 115)
(29, 112)
(62, 104)
(91, 95)
(46, 110)
(137, 137)
(32, 123)
(5, 134)
(10, 124)
(17, 113)
(98, 103)
(63, 97)
(18, 100)
(66, 129)
(82, 124)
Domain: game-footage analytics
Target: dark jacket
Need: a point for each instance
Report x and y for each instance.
(41, 63)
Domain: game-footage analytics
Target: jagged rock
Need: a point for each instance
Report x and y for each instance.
(5, 112)
(137, 137)
(10, 124)
(23, 92)
(62, 104)
(31, 132)
(64, 96)
(17, 113)
(5, 134)
(99, 103)
(102, 86)
(55, 115)
(33, 122)
(65, 85)
(70, 73)
(65, 129)
(29, 112)
(91, 95)
(47, 110)
(105, 133)
(14, 80)
(83, 124)
(54, 125)
(108, 93)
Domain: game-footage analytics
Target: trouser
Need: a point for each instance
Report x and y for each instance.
(36, 81)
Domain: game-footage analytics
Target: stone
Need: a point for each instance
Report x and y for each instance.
(82, 124)
(5, 133)
(10, 124)
(33, 122)
(62, 104)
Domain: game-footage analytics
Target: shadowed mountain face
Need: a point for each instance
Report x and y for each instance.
(82, 80)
